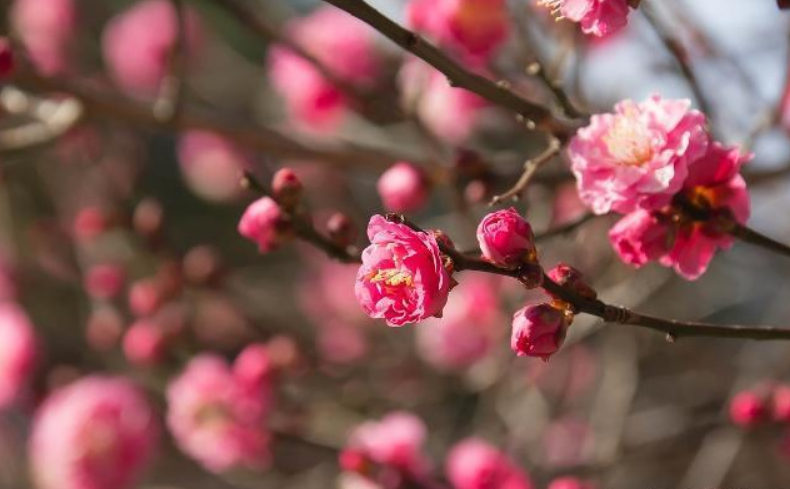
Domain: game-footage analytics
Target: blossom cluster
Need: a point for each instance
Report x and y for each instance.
(681, 191)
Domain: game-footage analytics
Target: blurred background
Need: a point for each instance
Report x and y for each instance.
(122, 142)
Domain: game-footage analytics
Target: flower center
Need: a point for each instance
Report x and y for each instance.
(628, 140)
(555, 6)
(703, 197)
(392, 277)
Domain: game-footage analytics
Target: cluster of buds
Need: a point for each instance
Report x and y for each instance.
(761, 404)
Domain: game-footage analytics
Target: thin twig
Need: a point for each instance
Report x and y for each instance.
(457, 75)
(170, 99)
(565, 228)
(751, 236)
(274, 143)
(678, 52)
(531, 166)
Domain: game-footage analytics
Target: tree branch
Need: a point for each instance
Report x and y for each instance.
(457, 75)
(531, 166)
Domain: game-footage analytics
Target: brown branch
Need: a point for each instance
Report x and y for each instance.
(566, 228)
(457, 75)
(108, 104)
(531, 166)
(751, 236)
(678, 52)
(170, 100)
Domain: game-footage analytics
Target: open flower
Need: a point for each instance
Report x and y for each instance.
(395, 442)
(638, 156)
(402, 278)
(97, 433)
(714, 187)
(596, 17)
(265, 224)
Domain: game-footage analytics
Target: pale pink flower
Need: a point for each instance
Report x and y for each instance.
(402, 278)
(596, 17)
(46, 29)
(211, 165)
(473, 28)
(18, 352)
(403, 188)
(476, 464)
(638, 156)
(265, 224)
(138, 44)
(144, 343)
(715, 186)
(145, 297)
(253, 367)
(343, 45)
(449, 112)
(506, 239)
(538, 330)
(396, 441)
(215, 419)
(96, 433)
(468, 330)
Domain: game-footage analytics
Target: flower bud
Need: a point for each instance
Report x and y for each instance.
(89, 223)
(341, 229)
(539, 330)
(780, 400)
(104, 281)
(104, 328)
(747, 409)
(253, 367)
(403, 188)
(569, 482)
(202, 265)
(286, 187)
(265, 224)
(506, 239)
(144, 344)
(352, 460)
(570, 278)
(144, 297)
(6, 58)
(148, 218)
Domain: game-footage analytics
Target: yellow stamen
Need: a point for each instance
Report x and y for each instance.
(628, 140)
(392, 277)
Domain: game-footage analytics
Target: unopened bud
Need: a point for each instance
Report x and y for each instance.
(341, 229)
(148, 218)
(286, 187)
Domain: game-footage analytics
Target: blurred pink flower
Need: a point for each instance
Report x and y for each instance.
(96, 433)
(402, 278)
(780, 403)
(506, 239)
(567, 205)
(449, 112)
(104, 281)
(344, 46)
(396, 441)
(476, 464)
(468, 331)
(138, 43)
(569, 482)
(145, 297)
(637, 157)
(264, 223)
(144, 343)
(217, 420)
(747, 409)
(539, 330)
(596, 17)
(18, 352)
(714, 185)
(253, 368)
(473, 28)
(403, 188)
(211, 165)
(7, 58)
(89, 223)
(46, 29)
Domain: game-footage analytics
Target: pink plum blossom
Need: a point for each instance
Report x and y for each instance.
(344, 46)
(506, 239)
(403, 188)
(138, 44)
(46, 29)
(18, 352)
(144, 343)
(96, 433)
(539, 330)
(780, 403)
(472, 28)
(638, 156)
(596, 17)
(265, 224)
(476, 464)
(395, 441)
(748, 409)
(469, 328)
(402, 278)
(713, 186)
(449, 112)
(216, 419)
(569, 482)
(7, 58)
(571, 278)
(211, 165)
(104, 281)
